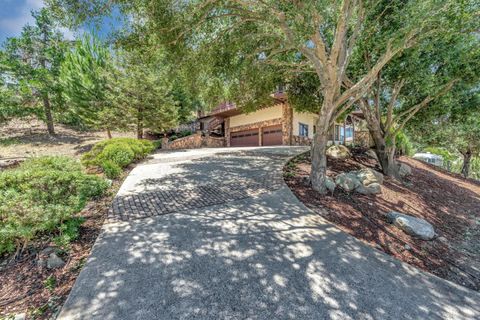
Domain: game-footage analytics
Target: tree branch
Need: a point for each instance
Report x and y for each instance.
(413, 110)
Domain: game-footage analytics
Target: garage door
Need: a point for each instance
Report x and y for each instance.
(248, 138)
(272, 136)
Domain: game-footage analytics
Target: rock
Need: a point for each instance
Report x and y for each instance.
(371, 154)
(330, 184)
(347, 181)
(443, 239)
(369, 176)
(413, 226)
(47, 251)
(404, 170)
(54, 261)
(372, 188)
(20, 316)
(338, 152)
(306, 180)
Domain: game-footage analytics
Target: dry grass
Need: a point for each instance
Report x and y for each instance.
(28, 138)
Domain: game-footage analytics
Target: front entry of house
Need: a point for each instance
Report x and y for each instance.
(272, 136)
(246, 138)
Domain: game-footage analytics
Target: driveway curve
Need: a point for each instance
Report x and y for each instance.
(216, 234)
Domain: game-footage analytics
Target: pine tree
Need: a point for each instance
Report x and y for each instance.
(32, 61)
(88, 78)
(145, 90)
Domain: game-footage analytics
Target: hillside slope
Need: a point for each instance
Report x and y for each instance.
(448, 201)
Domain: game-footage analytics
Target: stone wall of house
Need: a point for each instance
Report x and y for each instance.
(287, 120)
(196, 141)
(213, 142)
(189, 142)
(227, 132)
(301, 141)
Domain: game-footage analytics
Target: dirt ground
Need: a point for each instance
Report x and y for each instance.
(27, 138)
(448, 201)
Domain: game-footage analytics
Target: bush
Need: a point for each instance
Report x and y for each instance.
(111, 169)
(114, 154)
(41, 196)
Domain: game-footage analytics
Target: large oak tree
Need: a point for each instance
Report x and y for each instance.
(238, 49)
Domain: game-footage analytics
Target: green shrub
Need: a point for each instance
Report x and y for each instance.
(114, 154)
(111, 169)
(119, 153)
(41, 196)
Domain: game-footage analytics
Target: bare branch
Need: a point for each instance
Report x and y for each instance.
(346, 53)
(396, 91)
(341, 31)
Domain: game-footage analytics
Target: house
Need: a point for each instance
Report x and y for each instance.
(278, 124)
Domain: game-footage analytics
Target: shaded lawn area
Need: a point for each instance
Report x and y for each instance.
(448, 201)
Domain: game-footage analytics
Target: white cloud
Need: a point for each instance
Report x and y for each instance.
(15, 24)
(12, 26)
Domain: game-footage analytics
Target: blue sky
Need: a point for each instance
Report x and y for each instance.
(14, 14)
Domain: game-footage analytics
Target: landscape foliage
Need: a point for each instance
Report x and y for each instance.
(41, 197)
(115, 154)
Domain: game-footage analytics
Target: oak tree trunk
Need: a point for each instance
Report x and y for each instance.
(109, 133)
(48, 114)
(385, 155)
(467, 157)
(319, 157)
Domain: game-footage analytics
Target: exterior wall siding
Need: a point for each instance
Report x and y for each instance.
(307, 118)
(257, 116)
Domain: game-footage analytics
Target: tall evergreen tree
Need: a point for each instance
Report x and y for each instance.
(32, 62)
(144, 89)
(89, 80)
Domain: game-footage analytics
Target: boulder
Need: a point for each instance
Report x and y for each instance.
(411, 225)
(404, 170)
(347, 181)
(338, 152)
(371, 153)
(369, 176)
(372, 188)
(330, 184)
(54, 261)
(20, 316)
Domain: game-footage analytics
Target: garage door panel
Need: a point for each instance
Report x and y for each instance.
(272, 136)
(246, 138)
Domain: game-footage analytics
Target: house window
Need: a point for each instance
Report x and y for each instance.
(349, 132)
(303, 130)
(314, 129)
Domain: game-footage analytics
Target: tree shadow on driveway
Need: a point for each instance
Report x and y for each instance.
(262, 260)
(265, 256)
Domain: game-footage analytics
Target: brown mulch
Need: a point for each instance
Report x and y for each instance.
(448, 201)
(23, 279)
